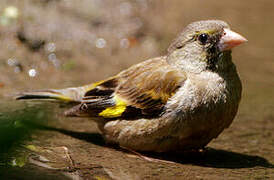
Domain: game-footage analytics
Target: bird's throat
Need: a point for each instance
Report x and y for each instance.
(219, 61)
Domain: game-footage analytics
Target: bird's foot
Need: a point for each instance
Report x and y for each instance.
(146, 158)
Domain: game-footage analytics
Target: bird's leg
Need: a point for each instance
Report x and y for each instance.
(145, 157)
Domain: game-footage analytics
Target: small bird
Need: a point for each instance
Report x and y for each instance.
(176, 102)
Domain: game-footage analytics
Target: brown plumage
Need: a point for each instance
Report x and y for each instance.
(175, 102)
(143, 98)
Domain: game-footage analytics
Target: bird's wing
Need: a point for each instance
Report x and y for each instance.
(142, 90)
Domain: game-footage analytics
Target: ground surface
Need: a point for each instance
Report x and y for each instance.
(60, 43)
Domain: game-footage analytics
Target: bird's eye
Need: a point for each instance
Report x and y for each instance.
(203, 38)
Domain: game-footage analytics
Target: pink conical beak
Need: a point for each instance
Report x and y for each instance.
(230, 39)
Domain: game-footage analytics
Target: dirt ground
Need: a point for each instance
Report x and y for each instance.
(61, 43)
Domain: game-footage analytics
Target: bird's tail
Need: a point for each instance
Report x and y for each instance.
(74, 94)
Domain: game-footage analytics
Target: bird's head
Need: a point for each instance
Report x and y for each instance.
(204, 45)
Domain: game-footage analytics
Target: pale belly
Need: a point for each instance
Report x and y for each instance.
(195, 115)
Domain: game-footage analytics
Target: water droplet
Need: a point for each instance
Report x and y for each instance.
(56, 63)
(52, 57)
(32, 72)
(16, 64)
(100, 43)
(11, 12)
(138, 22)
(12, 62)
(18, 69)
(124, 43)
(51, 47)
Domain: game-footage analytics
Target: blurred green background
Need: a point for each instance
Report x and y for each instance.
(62, 43)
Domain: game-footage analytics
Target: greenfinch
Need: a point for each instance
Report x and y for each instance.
(176, 102)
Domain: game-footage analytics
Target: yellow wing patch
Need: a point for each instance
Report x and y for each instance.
(115, 111)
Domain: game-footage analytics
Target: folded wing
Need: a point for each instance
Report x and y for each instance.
(140, 91)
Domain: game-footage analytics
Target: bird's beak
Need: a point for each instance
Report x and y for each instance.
(230, 39)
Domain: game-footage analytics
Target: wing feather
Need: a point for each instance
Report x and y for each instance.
(142, 90)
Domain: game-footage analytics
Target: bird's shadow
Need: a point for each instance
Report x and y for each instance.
(211, 157)
(216, 158)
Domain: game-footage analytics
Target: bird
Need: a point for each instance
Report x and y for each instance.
(176, 102)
